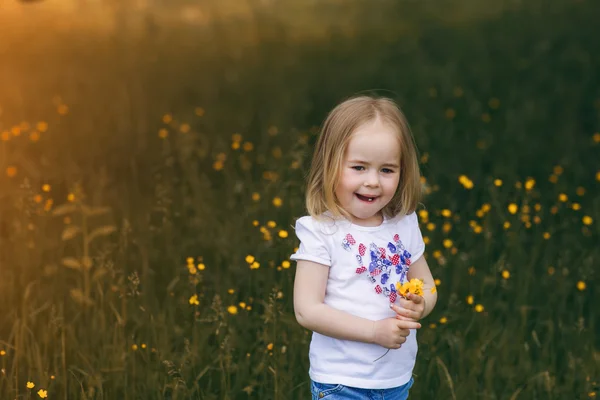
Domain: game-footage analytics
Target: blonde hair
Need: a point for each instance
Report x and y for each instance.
(330, 151)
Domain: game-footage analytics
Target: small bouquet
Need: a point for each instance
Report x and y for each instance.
(414, 286)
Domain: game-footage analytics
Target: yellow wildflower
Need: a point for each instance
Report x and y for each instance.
(563, 197)
(232, 310)
(529, 183)
(513, 208)
(506, 274)
(479, 308)
(194, 300)
(250, 259)
(42, 393)
(285, 264)
(581, 285)
(587, 220)
(30, 385)
(270, 346)
(465, 181)
(11, 171)
(443, 320)
(277, 202)
(498, 182)
(470, 299)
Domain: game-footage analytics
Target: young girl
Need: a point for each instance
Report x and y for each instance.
(359, 241)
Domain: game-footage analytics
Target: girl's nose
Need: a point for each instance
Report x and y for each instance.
(372, 180)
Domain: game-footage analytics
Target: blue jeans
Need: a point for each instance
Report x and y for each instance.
(340, 392)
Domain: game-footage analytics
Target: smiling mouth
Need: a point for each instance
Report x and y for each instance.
(368, 199)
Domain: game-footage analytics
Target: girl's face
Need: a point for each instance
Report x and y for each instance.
(370, 172)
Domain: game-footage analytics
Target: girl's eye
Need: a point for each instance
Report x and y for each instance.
(358, 167)
(387, 171)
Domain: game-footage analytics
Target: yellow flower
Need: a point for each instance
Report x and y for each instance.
(250, 259)
(587, 220)
(232, 310)
(199, 111)
(2, 353)
(438, 282)
(42, 126)
(255, 196)
(248, 146)
(231, 291)
(11, 171)
(465, 181)
(423, 214)
(194, 300)
(277, 202)
(218, 165)
(285, 264)
(470, 299)
(558, 170)
(433, 289)
(189, 260)
(446, 213)
(42, 393)
(479, 308)
(71, 197)
(576, 206)
(184, 128)
(271, 224)
(506, 225)
(443, 320)
(505, 274)
(581, 285)
(513, 208)
(255, 265)
(529, 183)
(472, 271)
(546, 235)
(167, 118)
(270, 346)
(431, 226)
(163, 133)
(498, 182)
(447, 243)
(134, 347)
(563, 197)
(414, 286)
(30, 385)
(580, 191)
(201, 267)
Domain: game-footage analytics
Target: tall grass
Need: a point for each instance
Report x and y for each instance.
(149, 188)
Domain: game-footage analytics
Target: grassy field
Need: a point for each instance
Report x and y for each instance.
(149, 185)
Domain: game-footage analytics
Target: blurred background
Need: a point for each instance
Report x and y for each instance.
(152, 165)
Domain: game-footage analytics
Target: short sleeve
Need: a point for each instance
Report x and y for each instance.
(416, 238)
(313, 246)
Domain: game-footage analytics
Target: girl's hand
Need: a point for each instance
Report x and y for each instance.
(391, 333)
(411, 308)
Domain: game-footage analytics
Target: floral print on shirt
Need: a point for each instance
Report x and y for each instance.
(378, 263)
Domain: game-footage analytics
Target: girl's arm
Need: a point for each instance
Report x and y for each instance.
(312, 313)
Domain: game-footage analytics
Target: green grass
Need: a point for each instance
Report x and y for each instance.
(512, 95)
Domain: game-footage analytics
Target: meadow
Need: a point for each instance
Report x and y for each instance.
(149, 185)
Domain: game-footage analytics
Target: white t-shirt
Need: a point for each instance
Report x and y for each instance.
(365, 263)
